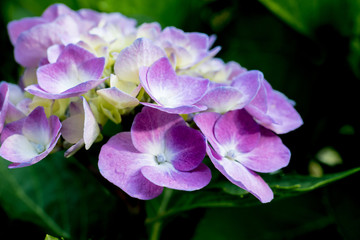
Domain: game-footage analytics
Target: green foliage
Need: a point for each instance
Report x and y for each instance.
(283, 219)
(57, 194)
(226, 194)
(48, 237)
(169, 13)
(307, 16)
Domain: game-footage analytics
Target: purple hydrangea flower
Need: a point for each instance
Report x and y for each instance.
(187, 49)
(217, 71)
(160, 151)
(4, 103)
(36, 134)
(149, 30)
(142, 53)
(80, 128)
(240, 147)
(274, 110)
(32, 36)
(222, 98)
(172, 93)
(75, 72)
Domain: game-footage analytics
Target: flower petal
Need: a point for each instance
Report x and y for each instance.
(269, 156)
(165, 175)
(283, 113)
(248, 84)
(141, 53)
(31, 45)
(91, 127)
(78, 90)
(176, 110)
(243, 178)
(206, 122)
(223, 99)
(4, 103)
(118, 98)
(12, 128)
(149, 128)
(120, 163)
(36, 127)
(15, 28)
(170, 90)
(11, 151)
(185, 147)
(73, 128)
(237, 129)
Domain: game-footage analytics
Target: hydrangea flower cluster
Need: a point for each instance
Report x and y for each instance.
(85, 68)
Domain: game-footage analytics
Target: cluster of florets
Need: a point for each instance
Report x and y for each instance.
(84, 68)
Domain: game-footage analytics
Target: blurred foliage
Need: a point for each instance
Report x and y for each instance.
(49, 194)
(309, 50)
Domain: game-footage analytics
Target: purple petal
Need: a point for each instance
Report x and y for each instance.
(36, 127)
(74, 148)
(269, 156)
(120, 163)
(149, 128)
(12, 128)
(206, 122)
(176, 110)
(56, 10)
(91, 127)
(13, 113)
(75, 54)
(78, 90)
(170, 90)
(91, 69)
(4, 103)
(58, 77)
(243, 177)
(173, 35)
(198, 40)
(237, 129)
(141, 53)
(149, 30)
(31, 45)
(165, 175)
(11, 151)
(73, 128)
(185, 147)
(28, 154)
(223, 99)
(259, 103)
(54, 52)
(283, 113)
(249, 84)
(15, 28)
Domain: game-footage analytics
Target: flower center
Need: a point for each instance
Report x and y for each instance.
(231, 155)
(160, 159)
(39, 148)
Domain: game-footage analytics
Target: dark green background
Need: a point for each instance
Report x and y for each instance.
(309, 50)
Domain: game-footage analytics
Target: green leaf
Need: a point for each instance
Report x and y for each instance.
(166, 12)
(306, 16)
(276, 220)
(48, 237)
(57, 194)
(289, 184)
(226, 194)
(344, 206)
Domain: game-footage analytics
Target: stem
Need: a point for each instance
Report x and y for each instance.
(156, 227)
